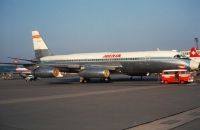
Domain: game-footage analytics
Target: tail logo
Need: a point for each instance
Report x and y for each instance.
(193, 52)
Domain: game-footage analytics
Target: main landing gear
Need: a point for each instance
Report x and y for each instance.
(106, 80)
(84, 80)
(87, 80)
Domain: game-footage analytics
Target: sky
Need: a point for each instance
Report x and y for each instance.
(74, 26)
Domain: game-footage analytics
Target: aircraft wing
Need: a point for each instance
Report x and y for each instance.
(22, 59)
(18, 63)
(78, 67)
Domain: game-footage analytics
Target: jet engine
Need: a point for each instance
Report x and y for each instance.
(95, 73)
(47, 72)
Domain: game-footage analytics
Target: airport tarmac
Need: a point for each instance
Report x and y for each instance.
(52, 104)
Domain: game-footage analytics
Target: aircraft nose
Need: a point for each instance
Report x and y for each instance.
(194, 65)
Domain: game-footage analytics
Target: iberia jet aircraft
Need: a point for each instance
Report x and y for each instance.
(103, 64)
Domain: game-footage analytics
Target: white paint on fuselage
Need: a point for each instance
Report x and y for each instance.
(101, 55)
(141, 62)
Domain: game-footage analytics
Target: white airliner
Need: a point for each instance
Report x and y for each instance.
(103, 64)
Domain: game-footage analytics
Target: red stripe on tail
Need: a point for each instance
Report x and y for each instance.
(36, 36)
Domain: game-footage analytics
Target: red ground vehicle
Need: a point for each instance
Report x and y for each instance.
(176, 76)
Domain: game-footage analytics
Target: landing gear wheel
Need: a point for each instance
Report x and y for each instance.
(84, 80)
(165, 82)
(182, 82)
(106, 80)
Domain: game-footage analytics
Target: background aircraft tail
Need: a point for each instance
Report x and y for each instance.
(39, 45)
(194, 53)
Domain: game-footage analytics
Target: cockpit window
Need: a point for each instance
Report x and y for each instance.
(177, 56)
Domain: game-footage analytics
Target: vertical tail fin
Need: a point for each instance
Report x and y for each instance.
(194, 53)
(39, 45)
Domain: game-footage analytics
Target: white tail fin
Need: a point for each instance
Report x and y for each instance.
(39, 45)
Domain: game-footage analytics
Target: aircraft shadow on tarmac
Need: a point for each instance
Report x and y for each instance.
(76, 80)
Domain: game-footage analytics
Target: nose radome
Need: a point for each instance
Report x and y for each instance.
(194, 65)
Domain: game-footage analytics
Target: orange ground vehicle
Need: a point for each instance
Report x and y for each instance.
(176, 76)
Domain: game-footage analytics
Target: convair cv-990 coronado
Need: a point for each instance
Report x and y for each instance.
(102, 65)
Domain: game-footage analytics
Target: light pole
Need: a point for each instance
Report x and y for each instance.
(196, 40)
